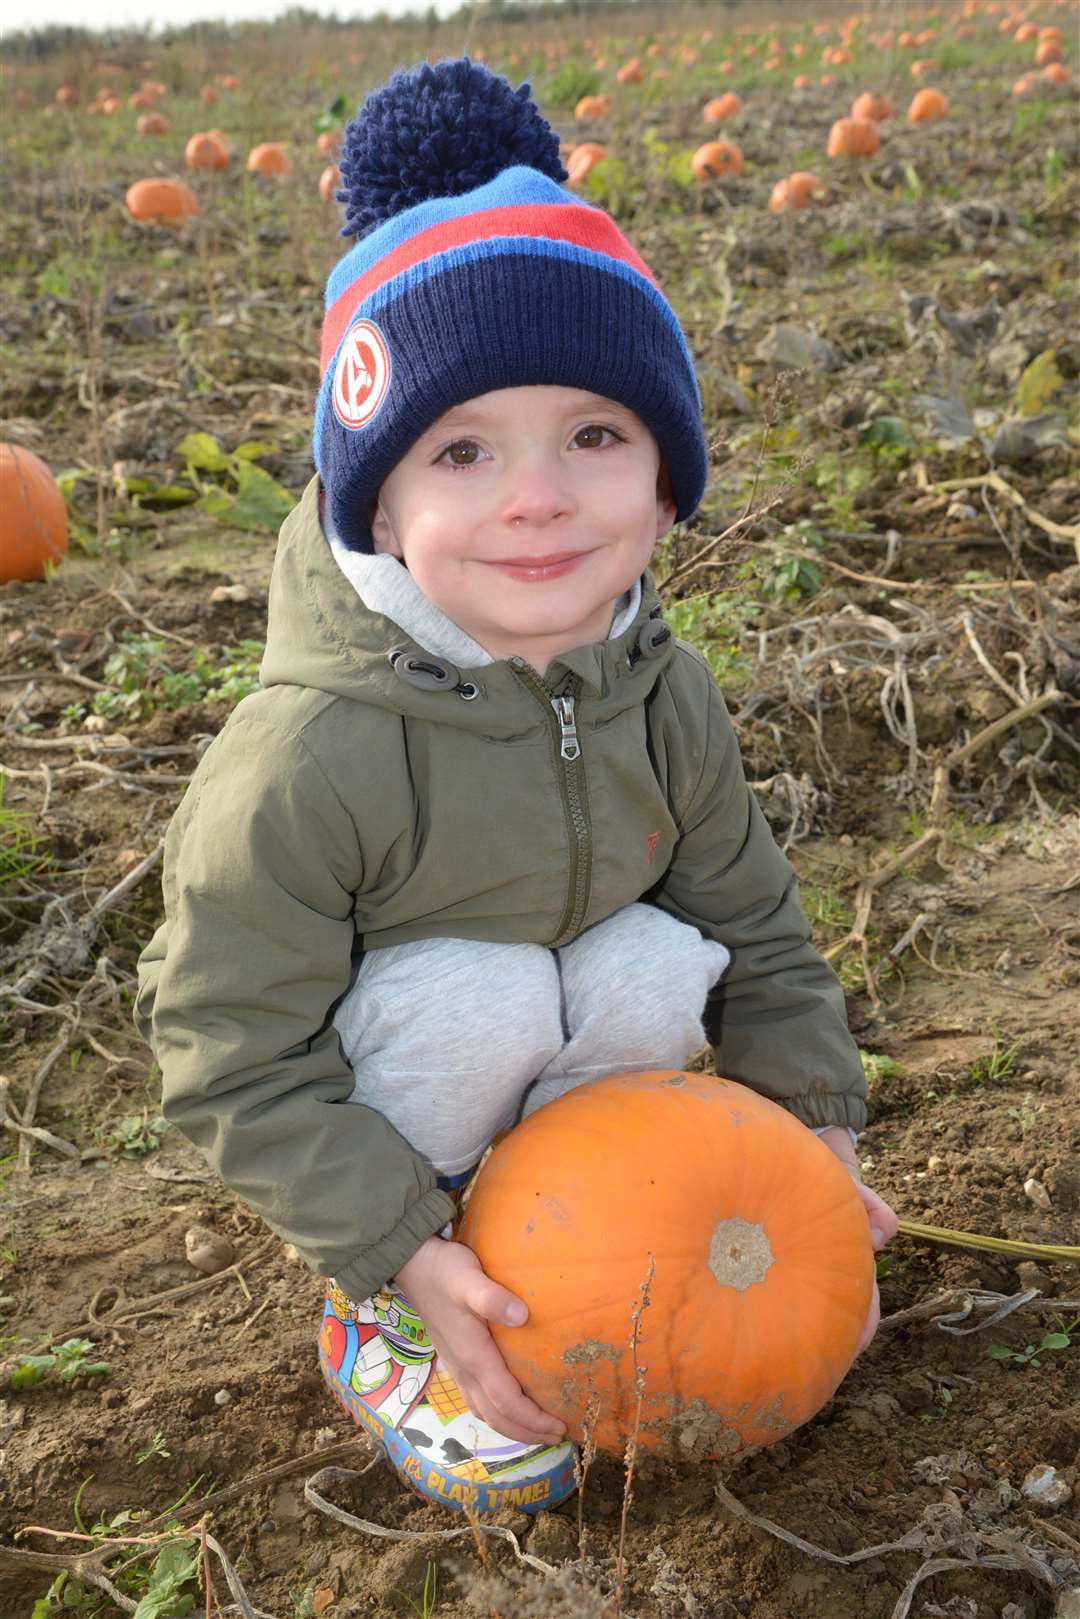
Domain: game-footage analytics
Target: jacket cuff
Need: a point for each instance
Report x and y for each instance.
(372, 1267)
(819, 1109)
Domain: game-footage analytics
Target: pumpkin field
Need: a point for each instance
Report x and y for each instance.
(866, 218)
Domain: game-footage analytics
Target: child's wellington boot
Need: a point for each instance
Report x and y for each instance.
(380, 1363)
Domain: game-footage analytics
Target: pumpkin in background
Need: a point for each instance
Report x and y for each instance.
(592, 107)
(270, 160)
(329, 182)
(927, 105)
(205, 151)
(630, 72)
(33, 517)
(721, 107)
(716, 160)
(1055, 73)
(868, 105)
(762, 1261)
(583, 158)
(152, 123)
(853, 137)
(160, 202)
(797, 191)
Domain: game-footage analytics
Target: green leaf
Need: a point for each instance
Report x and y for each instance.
(30, 1372)
(169, 494)
(1056, 1340)
(886, 431)
(173, 1567)
(261, 502)
(1039, 381)
(203, 451)
(999, 1352)
(215, 502)
(253, 448)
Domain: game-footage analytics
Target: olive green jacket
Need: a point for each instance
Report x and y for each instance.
(344, 807)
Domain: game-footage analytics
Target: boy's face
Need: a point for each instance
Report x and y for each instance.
(525, 514)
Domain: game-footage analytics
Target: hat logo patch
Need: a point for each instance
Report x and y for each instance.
(362, 375)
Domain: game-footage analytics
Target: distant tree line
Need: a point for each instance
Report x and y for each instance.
(41, 43)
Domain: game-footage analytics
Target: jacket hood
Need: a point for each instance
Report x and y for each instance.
(323, 634)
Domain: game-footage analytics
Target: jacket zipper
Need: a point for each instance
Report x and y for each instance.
(561, 708)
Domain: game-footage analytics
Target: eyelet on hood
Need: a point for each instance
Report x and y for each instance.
(429, 673)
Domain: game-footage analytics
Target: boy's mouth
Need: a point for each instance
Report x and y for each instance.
(539, 568)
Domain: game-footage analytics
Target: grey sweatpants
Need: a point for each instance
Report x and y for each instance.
(453, 1040)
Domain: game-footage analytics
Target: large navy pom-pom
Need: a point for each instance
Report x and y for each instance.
(438, 131)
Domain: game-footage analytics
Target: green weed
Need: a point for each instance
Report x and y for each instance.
(141, 677)
(876, 1066)
(20, 846)
(67, 1360)
(135, 1136)
(714, 624)
(998, 1065)
(158, 1583)
(1026, 1114)
(1029, 1356)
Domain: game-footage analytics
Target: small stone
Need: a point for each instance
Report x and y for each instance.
(222, 1397)
(207, 1250)
(935, 1162)
(1038, 1194)
(291, 1253)
(846, 840)
(142, 1403)
(1067, 1603)
(95, 723)
(1043, 1485)
(230, 593)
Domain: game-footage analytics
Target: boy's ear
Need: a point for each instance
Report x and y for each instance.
(665, 502)
(382, 534)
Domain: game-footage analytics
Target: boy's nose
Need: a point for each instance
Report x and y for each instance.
(536, 496)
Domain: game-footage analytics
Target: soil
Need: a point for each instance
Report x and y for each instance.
(846, 698)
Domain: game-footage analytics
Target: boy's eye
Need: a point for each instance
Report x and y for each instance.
(471, 449)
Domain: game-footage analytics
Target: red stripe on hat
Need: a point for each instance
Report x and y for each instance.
(561, 222)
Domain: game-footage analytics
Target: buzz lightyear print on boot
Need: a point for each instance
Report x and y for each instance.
(381, 1365)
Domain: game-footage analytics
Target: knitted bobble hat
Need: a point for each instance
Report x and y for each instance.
(475, 270)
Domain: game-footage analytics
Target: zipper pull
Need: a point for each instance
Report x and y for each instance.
(564, 708)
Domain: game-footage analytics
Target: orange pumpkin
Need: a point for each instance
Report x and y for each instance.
(1056, 73)
(797, 191)
(223, 140)
(142, 98)
(922, 67)
(1026, 31)
(927, 105)
(204, 151)
(853, 137)
(868, 105)
(152, 123)
(582, 159)
(208, 95)
(160, 202)
(34, 531)
(329, 142)
(1047, 50)
(801, 81)
(716, 160)
(229, 81)
(270, 160)
(67, 96)
(630, 72)
(329, 182)
(1025, 84)
(721, 107)
(762, 1265)
(592, 107)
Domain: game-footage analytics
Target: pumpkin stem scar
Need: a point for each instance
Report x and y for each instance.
(740, 1253)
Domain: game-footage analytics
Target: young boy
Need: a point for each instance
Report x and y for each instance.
(484, 833)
